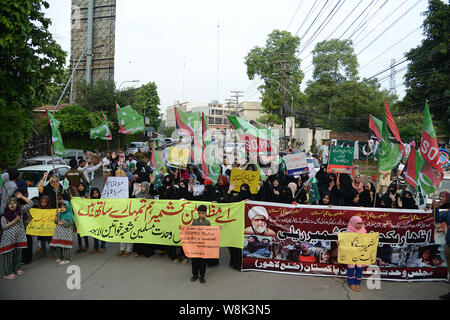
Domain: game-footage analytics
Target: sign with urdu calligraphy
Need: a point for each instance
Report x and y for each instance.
(43, 222)
(357, 248)
(154, 221)
(302, 239)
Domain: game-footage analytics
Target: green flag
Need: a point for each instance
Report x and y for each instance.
(210, 164)
(102, 131)
(57, 142)
(390, 153)
(156, 160)
(130, 122)
(314, 194)
(424, 183)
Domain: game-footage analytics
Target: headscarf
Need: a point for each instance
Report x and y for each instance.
(408, 202)
(245, 192)
(446, 204)
(91, 193)
(286, 195)
(68, 215)
(49, 202)
(359, 187)
(351, 227)
(222, 181)
(349, 197)
(146, 193)
(8, 213)
(210, 193)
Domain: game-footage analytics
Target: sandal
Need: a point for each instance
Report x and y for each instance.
(20, 272)
(10, 277)
(79, 250)
(136, 255)
(120, 253)
(126, 254)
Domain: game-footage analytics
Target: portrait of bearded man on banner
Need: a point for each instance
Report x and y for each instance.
(258, 217)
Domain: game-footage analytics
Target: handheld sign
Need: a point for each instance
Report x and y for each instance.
(116, 188)
(200, 241)
(357, 248)
(43, 223)
(178, 157)
(296, 164)
(238, 177)
(341, 160)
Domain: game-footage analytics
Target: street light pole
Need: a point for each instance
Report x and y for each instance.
(120, 85)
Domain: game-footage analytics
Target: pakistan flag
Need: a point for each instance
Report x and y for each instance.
(102, 131)
(57, 142)
(130, 122)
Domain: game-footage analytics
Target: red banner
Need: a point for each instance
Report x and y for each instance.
(303, 240)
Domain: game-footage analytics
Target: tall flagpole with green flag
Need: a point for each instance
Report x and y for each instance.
(429, 150)
(57, 143)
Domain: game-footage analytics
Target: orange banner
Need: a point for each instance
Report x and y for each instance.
(200, 241)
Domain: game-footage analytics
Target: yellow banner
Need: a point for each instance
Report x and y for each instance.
(357, 248)
(238, 177)
(43, 223)
(154, 221)
(178, 157)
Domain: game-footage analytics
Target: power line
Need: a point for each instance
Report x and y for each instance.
(314, 21)
(295, 14)
(307, 16)
(365, 23)
(392, 46)
(390, 26)
(356, 19)
(317, 32)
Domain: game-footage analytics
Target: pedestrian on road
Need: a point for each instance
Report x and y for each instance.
(199, 264)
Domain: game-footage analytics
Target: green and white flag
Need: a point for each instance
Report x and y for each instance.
(130, 122)
(57, 142)
(314, 194)
(390, 154)
(102, 131)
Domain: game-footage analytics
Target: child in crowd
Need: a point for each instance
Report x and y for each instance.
(354, 274)
(14, 238)
(199, 264)
(99, 245)
(63, 235)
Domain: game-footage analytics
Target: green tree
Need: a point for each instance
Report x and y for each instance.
(334, 63)
(100, 96)
(147, 102)
(428, 75)
(339, 99)
(277, 65)
(29, 59)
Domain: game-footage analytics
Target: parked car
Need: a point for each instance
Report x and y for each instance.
(40, 160)
(73, 154)
(134, 146)
(315, 162)
(168, 142)
(34, 174)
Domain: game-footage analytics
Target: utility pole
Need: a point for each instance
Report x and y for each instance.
(281, 73)
(392, 77)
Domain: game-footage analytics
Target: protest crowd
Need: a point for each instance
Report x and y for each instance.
(336, 183)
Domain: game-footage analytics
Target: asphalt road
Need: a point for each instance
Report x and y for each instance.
(158, 278)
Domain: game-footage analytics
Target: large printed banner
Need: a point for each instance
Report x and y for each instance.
(154, 221)
(303, 240)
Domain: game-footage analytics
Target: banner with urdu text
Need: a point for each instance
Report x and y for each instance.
(154, 221)
(300, 239)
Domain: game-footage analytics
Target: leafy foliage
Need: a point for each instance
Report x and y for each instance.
(29, 59)
(428, 75)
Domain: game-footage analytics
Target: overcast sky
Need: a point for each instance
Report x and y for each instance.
(160, 41)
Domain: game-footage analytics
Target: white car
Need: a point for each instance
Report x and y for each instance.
(134, 146)
(40, 160)
(34, 174)
(315, 162)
